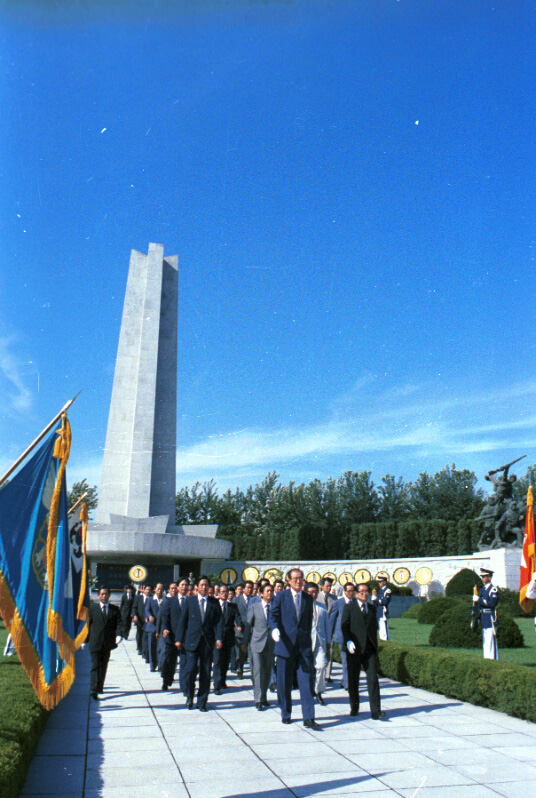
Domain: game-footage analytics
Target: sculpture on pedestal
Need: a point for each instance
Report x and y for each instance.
(503, 517)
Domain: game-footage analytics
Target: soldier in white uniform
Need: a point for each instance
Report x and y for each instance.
(381, 602)
(487, 601)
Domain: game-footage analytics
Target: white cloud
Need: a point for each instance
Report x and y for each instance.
(15, 394)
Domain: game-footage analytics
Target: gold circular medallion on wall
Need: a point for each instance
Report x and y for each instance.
(345, 577)
(228, 576)
(401, 576)
(330, 575)
(362, 575)
(423, 575)
(272, 574)
(250, 574)
(382, 575)
(314, 576)
(138, 573)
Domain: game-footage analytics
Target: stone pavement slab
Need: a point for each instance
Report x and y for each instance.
(137, 739)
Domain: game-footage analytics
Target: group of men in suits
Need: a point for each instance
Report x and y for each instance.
(286, 633)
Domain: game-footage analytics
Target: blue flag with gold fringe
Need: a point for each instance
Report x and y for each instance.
(36, 591)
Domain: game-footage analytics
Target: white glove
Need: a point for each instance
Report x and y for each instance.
(475, 599)
(118, 639)
(276, 635)
(350, 647)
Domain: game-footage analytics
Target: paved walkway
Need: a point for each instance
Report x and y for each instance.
(138, 740)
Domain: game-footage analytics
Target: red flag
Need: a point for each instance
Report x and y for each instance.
(528, 564)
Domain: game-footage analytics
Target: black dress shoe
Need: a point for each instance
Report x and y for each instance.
(189, 704)
(329, 681)
(320, 699)
(217, 692)
(224, 685)
(203, 709)
(286, 721)
(273, 687)
(259, 707)
(95, 696)
(239, 675)
(378, 715)
(354, 711)
(265, 703)
(310, 723)
(164, 686)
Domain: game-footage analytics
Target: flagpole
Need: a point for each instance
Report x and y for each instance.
(75, 505)
(39, 438)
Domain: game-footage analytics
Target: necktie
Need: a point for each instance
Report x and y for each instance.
(364, 610)
(297, 604)
(224, 610)
(104, 612)
(266, 612)
(203, 609)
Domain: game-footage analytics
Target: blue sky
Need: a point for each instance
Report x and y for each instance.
(350, 189)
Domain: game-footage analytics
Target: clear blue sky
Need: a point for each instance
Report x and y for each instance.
(350, 189)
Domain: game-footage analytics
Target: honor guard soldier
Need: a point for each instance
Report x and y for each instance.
(487, 601)
(381, 602)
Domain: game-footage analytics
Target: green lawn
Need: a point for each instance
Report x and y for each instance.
(407, 631)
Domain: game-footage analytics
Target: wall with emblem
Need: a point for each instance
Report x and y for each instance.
(426, 576)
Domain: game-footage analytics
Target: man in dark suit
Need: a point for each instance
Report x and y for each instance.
(104, 628)
(152, 611)
(222, 656)
(138, 616)
(199, 630)
(290, 619)
(127, 600)
(359, 627)
(242, 602)
(168, 622)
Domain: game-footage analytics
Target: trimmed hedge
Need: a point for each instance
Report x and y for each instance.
(463, 583)
(22, 720)
(452, 630)
(486, 683)
(433, 609)
(413, 611)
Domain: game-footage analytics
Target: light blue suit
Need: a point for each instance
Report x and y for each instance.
(335, 617)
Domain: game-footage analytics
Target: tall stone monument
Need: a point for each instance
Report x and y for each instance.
(135, 519)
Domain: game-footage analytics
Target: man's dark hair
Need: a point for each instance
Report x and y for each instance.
(308, 585)
(265, 585)
(279, 582)
(249, 582)
(326, 579)
(201, 579)
(148, 585)
(362, 584)
(104, 587)
(349, 584)
(239, 584)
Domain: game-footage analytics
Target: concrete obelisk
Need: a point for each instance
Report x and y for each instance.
(138, 471)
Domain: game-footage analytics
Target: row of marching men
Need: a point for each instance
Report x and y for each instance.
(239, 632)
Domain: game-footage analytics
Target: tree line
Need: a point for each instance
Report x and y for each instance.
(345, 518)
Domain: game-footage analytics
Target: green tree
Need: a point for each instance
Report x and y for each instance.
(78, 490)
(393, 499)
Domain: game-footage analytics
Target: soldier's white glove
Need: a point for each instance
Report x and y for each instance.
(350, 647)
(118, 639)
(276, 635)
(475, 599)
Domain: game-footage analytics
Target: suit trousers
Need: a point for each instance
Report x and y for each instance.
(127, 623)
(368, 661)
(199, 660)
(139, 639)
(152, 650)
(286, 668)
(222, 657)
(145, 646)
(99, 666)
(261, 671)
(169, 662)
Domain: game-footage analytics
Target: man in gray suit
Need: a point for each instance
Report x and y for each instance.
(257, 635)
(328, 599)
(320, 640)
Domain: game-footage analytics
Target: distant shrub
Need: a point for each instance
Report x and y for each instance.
(432, 610)
(509, 602)
(396, 590)
(413, 611)
(462, 583)
(453, 630)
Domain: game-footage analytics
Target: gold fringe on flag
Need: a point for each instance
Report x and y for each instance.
(62, 449)
(49, 695)
(82, 612)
